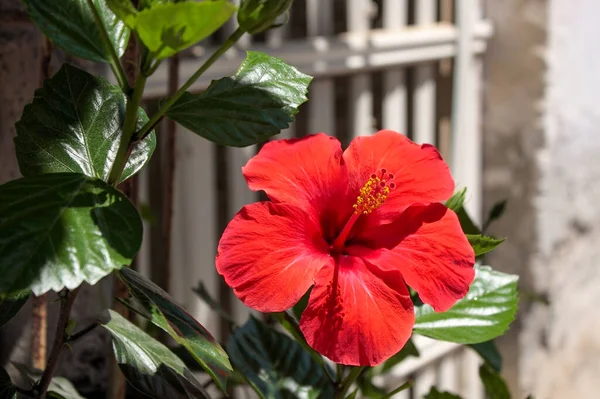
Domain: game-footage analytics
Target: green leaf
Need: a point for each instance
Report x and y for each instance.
(489, 352)
(483, 244)
(169, 28)
(495, 213)
(71, 25)
(275, 365)
(61, 229)
(435, 394)
(7, 389)
(9, 307)
(467, 225)
(124, 10)
(484, 313)
(74, 124)
(163, 312)
(59, 388)
(299, 307)
(457, 200)
(259, 101)
(148, 365)
(494, 384)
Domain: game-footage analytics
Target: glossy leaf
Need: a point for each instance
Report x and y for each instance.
(148, 365)
(74, 124)
(124, 10)
(59, 388)
(483, 244)
(9, 307)
(71, 25)
(484, 313)
(59, 230)
(489, 352)
(435, 394)
(7, 389)
(494, 384)
(160, 308)
(256, 103)
(457, 200)
(275, 365)
(171, 27)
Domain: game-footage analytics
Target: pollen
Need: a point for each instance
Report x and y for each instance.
(374, 193)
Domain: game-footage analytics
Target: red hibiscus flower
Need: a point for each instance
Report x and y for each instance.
(356, 225)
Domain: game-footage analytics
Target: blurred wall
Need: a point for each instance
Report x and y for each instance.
(560, 343)
(542, 140)
(513, 92)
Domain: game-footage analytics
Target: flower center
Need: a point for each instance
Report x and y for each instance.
(371, 196)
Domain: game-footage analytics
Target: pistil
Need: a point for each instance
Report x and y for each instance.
(372, 195)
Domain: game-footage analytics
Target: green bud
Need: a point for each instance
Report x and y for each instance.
(259, 15)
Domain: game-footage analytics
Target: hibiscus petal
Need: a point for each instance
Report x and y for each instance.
(426, 244)
(420, 173)
(269, 254)
(306, 172)
(357, 314)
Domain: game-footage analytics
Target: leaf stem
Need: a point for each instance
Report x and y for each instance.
(347, 383)
(113, 61)
(131, 116)
(67, 300)
(82, 333)
(231, 40)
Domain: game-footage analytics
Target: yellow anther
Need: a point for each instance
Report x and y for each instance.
(373, 193)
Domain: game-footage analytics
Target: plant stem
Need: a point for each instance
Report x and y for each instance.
(231, 40)
(131, 114)
(66, 305)
(401, 388)
(113, 61)
(347, 383)
(339, 373)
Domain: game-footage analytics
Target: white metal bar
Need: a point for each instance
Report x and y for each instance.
(471, 386)
(424, 380)
(448, 373)
(194, 225)
(320, 15)
(412, 364)
(322, 56)
(466, 138)
(394, 104)
(360, 100)
(424, 94)
(322, 106)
